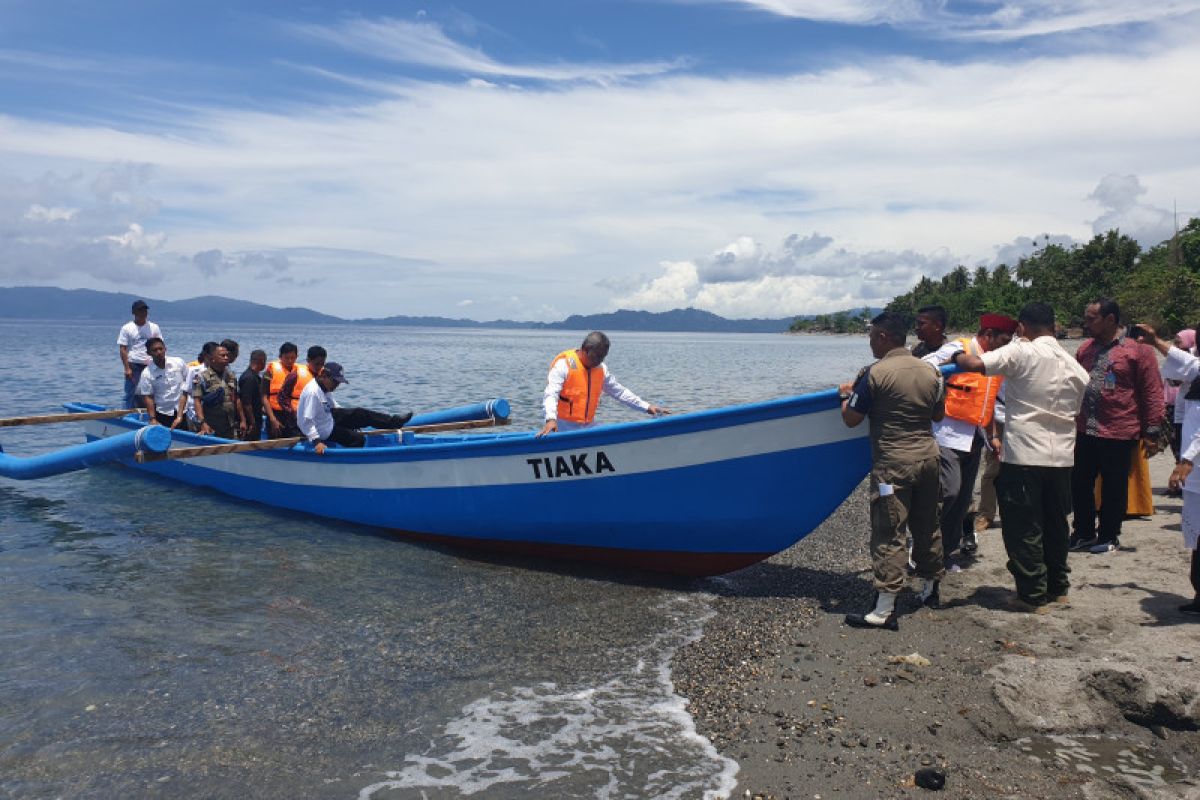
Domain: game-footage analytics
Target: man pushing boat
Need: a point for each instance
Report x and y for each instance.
(573, 387)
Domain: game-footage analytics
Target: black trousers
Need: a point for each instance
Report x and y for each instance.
(287, 424)
(1196, 572)
(347, 421)
(1034, 502)
(165, 419)
(1108, 459)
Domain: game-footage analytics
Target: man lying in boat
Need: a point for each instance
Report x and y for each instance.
(573, 387)
(323, 422)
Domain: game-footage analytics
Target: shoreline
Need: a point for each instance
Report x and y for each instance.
(810, 708)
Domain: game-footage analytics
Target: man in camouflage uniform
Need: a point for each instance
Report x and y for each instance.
(214, 391)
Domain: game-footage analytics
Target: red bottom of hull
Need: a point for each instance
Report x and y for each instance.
(667, 561)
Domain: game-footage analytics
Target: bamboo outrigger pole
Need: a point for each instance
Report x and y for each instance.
(85, 415)
(278, 444)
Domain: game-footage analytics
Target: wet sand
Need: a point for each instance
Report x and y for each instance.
(811, 708)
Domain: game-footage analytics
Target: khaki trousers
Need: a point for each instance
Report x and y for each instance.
(904, 500)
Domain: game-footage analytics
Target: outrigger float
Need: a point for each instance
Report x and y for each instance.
(702, 493)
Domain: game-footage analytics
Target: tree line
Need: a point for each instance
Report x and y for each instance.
(1160, 286)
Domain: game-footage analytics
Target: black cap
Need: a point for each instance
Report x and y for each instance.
(140, 305)
(334, 372)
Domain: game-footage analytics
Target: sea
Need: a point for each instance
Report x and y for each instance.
(162, 641)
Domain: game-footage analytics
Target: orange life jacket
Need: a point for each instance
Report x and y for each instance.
(303, 377)
(580, 391)
(970, 396)
(278, 373)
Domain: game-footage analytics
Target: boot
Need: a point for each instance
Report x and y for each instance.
(401, 419)
(882, 616)
(930, 595)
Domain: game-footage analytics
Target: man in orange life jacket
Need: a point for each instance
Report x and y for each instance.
(573, 387)
(967, 426)
(272, 380)
(293, 384)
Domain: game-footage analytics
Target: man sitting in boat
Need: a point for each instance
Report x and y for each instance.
(215, 400)
(288, 394)
(322, 421)
(161, 385)
(272, 380)
(573, 387)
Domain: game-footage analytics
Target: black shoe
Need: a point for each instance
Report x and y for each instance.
(1191, 608)
(970, 544)
(860, 621)
(400, 420)
(934, 598)
(1078, 545)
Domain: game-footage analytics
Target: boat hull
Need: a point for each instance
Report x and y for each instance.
(695, 494)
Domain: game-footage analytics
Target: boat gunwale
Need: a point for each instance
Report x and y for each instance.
(482, 444)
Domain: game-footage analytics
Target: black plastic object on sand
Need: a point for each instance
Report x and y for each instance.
(930, 778)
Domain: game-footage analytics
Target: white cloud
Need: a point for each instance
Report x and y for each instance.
(1012, 252)
(426, 44)
(1118, 195)
(452, 191)
(804, 273)
(1013, 20)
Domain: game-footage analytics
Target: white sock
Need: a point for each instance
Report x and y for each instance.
(884, 607)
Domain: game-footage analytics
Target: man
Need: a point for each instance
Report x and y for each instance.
(902, 395)
(573, 387)
(272, 380)
(289, 391)
(195, 367)
(214, 397)
(1183, 365)
(131, 345)
(986, 511)
(931, 330)
(1123, 404)
(322, 422)
(161, 385)
(968, 424)
(1043, 388)
(234, 349)
(250, 394)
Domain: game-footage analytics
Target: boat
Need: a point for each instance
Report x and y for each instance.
(701, 493)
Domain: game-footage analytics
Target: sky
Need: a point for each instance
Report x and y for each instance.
(534, 159)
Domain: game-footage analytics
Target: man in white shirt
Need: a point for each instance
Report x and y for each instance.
(321, 421)
(576, 380)
(131, 344)
(161, 385)
(1043, 389)
(962, 434)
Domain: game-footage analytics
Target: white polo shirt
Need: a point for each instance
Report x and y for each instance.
(1043, 389)
(165, 385)
(134, 337)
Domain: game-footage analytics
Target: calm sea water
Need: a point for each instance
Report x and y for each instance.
(157, 640)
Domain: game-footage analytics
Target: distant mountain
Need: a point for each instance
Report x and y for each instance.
(41, 302)
(681, 319)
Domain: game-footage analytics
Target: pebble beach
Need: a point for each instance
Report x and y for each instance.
(1100, 698)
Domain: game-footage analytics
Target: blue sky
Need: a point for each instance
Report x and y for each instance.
(529, 160)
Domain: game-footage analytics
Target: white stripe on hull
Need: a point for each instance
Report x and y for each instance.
(412, 471)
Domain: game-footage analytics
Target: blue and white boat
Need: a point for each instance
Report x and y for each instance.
(699, 494)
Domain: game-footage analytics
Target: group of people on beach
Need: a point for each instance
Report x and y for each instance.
(1051, 424)
(284, 399)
